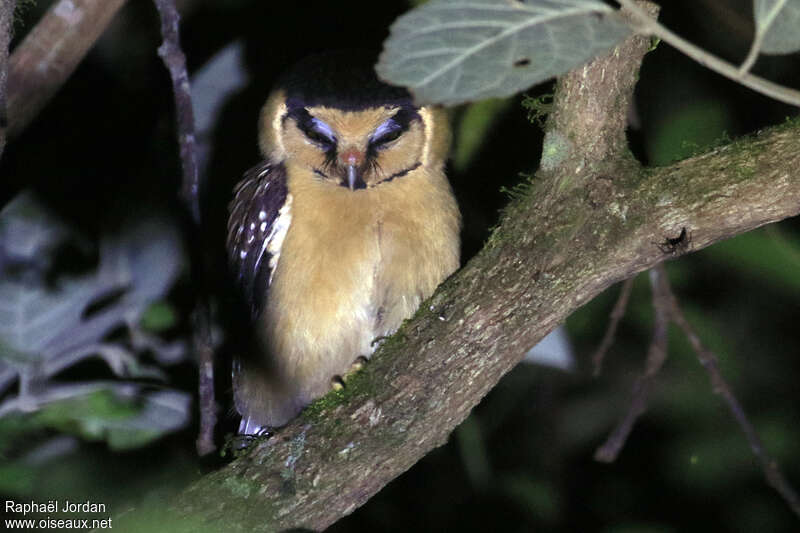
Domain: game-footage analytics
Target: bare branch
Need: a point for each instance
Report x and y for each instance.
(741, 75)
(752, 55)
(709, 360)
(616, 315)
(535, 271)
(762, 27)
(171, 53)
(668, 310)
(204, 349)
(656, 355)
(50, 53)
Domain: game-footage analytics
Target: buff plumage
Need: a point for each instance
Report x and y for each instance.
(339, 235)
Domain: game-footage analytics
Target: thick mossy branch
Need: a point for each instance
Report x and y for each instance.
(588, 221)
(590, 109)
(544, 265)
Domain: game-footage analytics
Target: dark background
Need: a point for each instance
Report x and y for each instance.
(104, 150)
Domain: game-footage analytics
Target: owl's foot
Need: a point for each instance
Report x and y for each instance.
(241, 442)
(339, 382)
(357, 365)
(250, 428)
(355, 368)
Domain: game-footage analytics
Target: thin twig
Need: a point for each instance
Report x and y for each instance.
(762, 25)
(766, 87)
(667, 310)
(616, 315)
(656, 355)
(205, 385)
(709, 360)
(752, 55)
(171, 53)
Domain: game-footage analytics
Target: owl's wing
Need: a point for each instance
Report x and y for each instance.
(260, 215)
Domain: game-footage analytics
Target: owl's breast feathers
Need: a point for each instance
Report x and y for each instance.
(353, 266)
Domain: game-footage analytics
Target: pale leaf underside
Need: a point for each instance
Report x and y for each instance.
(453, 51)
(779, 23)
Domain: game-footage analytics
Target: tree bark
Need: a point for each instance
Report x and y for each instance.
(6, 26)
(590, 217)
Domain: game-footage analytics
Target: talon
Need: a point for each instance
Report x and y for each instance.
(337, 383)
(356, 367)
(265, 431)
(358, 364)
(242, 442)
(237, 444)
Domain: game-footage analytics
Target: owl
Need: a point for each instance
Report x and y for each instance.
(339, 234)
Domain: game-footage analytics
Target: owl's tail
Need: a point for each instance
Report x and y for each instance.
(264, 398)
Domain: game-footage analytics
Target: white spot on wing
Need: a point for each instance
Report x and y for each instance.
(272, 243)
(278, 233)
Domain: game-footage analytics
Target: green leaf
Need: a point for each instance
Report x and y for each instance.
(28, 232)
(147, 257)
(125, 417)
(50, 322)
(159, 316)
(454, 51)
(33, 316)
(46, 327)
(688, 131)
(16, 478)
(472, 447)
(473, 130)
(537, 496)
(638, 527)
(778, 21)
(162, 412)
(764, 255)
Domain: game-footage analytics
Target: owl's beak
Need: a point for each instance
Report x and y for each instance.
(353, 161)
(352, 177)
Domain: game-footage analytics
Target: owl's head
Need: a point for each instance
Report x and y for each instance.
(332, 116)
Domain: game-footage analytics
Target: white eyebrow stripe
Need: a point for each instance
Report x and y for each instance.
(323, 128)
